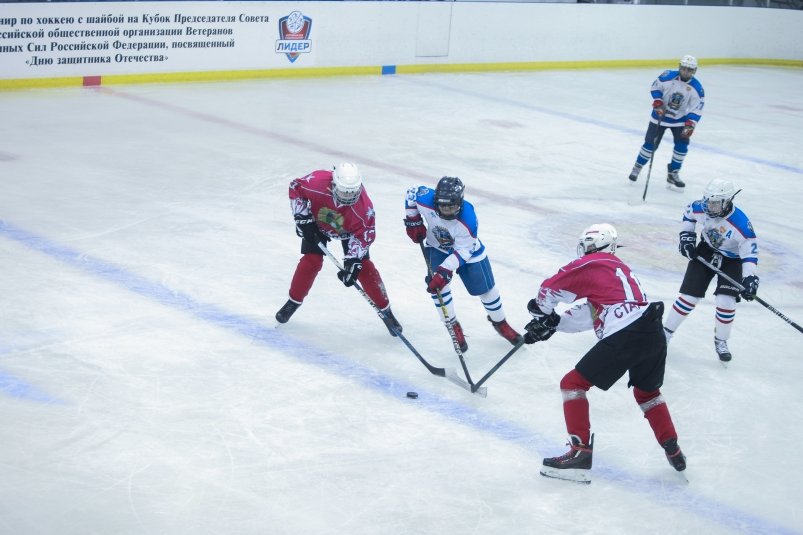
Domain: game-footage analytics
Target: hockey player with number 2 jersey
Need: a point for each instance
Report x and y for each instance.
(729, 242)
(630, 341)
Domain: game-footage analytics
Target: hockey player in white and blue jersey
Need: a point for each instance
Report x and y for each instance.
(452, 246)
(678, 100)
(728, 242)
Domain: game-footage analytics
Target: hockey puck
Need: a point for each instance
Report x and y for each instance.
(412, 395)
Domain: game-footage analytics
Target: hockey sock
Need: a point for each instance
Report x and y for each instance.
(656, 412)
(372, 284)
(726, 311)
(446, 295)
(306, 271)
(644, 155)
(493, 304)
(573, 388)
(682, 307)
(678, 155)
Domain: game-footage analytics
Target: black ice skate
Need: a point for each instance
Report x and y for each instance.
(722, 350)
(286, 311)
(391, 322)
(673, 181)
(506, 331)
(634, 173)
(674, 455)
(574, 465)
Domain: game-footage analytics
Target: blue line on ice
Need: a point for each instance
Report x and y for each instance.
(674, 496)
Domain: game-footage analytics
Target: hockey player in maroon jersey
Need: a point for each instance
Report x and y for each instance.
(630, 340)
(333, 205)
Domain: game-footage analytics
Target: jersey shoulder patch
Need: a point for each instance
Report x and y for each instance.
(695, 83)
(668, 75)
(739, 220)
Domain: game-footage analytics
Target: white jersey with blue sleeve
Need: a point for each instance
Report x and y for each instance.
(732, 235)
(455, 237)
(682, 100)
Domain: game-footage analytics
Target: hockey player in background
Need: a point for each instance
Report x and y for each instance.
(453, 246)
(729, 243)
(333, 205)
(630, 340)
(678, 100)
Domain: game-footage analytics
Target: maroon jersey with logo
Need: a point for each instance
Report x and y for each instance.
(312, 194)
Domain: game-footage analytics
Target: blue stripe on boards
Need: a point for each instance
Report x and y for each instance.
(679, 497)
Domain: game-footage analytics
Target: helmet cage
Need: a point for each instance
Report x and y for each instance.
(597, 238)
(718, 198)
(449, 197)
(346, 184)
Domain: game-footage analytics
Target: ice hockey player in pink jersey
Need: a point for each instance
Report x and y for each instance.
(631, 341)
(334, 205)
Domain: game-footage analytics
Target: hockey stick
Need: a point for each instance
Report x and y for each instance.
(498, 364)
(447, 322)
(655, 143)
(768, 306)
(440, 372)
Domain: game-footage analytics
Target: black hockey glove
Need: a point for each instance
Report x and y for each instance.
(750, 284)
(542, 326)
(351, 270)
(307, 229)
(687, 244)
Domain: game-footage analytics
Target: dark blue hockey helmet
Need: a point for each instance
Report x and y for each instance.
(449, 197)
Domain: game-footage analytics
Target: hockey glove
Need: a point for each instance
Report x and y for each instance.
(542, 326)
(658, 107)
(687, 244)
(439, 280)
(307, 229)
(688, 129)
(350, 272)
(415, 228)
(750, 284)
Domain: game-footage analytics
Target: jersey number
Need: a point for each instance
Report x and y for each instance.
(629, 283)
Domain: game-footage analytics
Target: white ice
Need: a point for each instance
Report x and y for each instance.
(146, 243)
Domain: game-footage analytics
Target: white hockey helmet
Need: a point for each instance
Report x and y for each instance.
(599, 237)
(687, 67)
(718, 197)
(346, 183)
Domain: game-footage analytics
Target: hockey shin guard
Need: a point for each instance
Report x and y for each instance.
(493, 304)
(372, 284)
(681, 308)
(726, 311)
(656, 412)
(573, 388)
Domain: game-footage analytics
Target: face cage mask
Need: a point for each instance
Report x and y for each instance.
(715, 207)
(346, 198)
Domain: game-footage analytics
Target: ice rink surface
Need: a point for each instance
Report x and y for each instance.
(147, 242)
